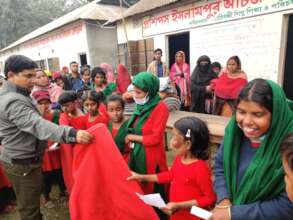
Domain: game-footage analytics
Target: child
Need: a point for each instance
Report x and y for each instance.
(190, 175)
(51, 166)
(71, 117)
(86, 78)
(100, 84)
(95, 111)
(287, 160)
(118, 124)
(42, 82)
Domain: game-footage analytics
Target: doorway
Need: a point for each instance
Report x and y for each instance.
(288, 70)
(83, 59)
(178, 42)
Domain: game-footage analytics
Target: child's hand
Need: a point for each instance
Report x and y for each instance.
(128, 139)
(170, 208)
(134, 176)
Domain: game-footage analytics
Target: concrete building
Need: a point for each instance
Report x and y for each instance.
(84, 35)
(260, 32)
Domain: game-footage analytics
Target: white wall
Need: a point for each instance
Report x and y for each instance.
(255, 40)
(161, 42)
(65, 43)
(102, 44)
(134, 30)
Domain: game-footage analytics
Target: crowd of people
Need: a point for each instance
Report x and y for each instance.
(45, 119)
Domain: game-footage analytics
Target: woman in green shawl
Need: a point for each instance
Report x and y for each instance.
(249, 179)
(146, 128)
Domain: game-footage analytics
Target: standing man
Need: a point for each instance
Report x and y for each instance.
(25, 133)
(74, 77)
(157, 67)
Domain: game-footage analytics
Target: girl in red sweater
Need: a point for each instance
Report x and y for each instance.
(51, 166)
(190, 175)
(96, 110)
(118, 124)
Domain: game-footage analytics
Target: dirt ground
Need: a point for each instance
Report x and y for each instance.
(59, 212)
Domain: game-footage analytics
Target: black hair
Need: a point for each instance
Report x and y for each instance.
(259, 91)
(199, 135)
(18, 63)
(72, 62)
(96, 71)
(94, 96)
(67, 96)
(237, 60)
(83, 69)
(287, 150)
(158, 50)
(217, 64)
(115, 98)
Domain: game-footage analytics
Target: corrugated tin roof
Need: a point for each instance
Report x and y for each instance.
(93, 11)
(147, 5)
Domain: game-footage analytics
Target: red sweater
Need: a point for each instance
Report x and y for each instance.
(189, 182)
(4, 181)
(67, 150)
(153, 141)
(51, 159)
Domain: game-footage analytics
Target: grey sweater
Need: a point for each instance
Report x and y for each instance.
(23, 131)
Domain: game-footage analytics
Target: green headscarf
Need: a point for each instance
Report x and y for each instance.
(263, 179)
(149, 83)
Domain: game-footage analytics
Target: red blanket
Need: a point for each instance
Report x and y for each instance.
(100, 189)
(4, 182)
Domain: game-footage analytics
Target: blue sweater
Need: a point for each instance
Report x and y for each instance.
(278, 208)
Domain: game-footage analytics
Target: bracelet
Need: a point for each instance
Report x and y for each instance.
(229, 212)
(223, 206)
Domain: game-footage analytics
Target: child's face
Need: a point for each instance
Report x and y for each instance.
(41, 79)
(115, 111)
(91, 107)
(253, 119)
(216, 70)
(69, 107)
(99, 80)
(178, 144)
(86, 76)
(288, 178)
(60, 83)
(44, 106)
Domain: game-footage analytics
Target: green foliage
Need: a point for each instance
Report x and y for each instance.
(20, 17)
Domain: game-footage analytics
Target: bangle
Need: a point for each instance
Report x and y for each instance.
(223, 206)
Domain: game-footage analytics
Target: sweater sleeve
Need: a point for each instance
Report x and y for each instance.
(204, 180)
(28, 120)
(220, 185)
(278, 208)
(165, 177)
(157, 125)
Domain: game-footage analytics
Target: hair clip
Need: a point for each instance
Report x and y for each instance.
(188, 134)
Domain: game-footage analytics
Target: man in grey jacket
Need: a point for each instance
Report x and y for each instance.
(24, 135)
